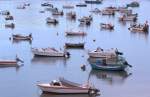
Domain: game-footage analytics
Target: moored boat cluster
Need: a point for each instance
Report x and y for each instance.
(99, 59)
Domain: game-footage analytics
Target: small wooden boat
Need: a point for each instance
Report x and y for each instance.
(111, 8)
(21, 37)
(93, 1)
(96, 10)
(51, 21)
(119, 65)
(61, 13)
(107, 26)
(86, 18)
(74, 45)
(5, 12)
(107, 12)
(100, 53)
(49, 52)
(71, 15)
(21, 7)
(10, 63)
(81, 5)
(11, 25)
(9, 17)
(79, 33)
(68, 6)
(47, 4)
(133, 4)
(139, 28)
(127, 18)
(64, 86)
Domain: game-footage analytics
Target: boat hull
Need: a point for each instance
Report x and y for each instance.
(62, 90)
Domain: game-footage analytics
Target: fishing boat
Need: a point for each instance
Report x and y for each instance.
(21, 7)
(139, 27)
(71, 15)
(49, 52)
(51, 21)
(9, 17)
(74, 45)
(93, 1)
(96, 10)
(118, 65)
(11, 25)
(81, 5)
(73, 33)
(133, 4)
(111, 8)
(63, 86)
(5, 12)
(86, 18)
(47, 4)
(61, 13)
(10, 63)
(22, 37)
(127, 18)
(107, 26)
(68, 6)
(100, 53)
(107, 12)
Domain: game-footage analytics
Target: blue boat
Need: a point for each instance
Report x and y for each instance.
(119, 65)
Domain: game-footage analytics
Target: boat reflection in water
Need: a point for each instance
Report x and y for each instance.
(48, 60)
(64, 95)
(111, 77)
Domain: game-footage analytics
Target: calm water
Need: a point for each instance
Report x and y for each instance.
(21, 82)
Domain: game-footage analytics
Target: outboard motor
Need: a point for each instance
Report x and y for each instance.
(118, 53)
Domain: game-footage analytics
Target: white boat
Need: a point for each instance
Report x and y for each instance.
(66, 87)
(50, 20)
(49, 52)
(68, 6)
(21, 37)
(100, 53)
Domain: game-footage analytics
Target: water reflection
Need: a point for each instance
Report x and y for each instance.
(48, 60)
(111, 77)
(140, 35)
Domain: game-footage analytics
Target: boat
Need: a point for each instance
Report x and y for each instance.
(81, 5)
(52, 21)
(111, 8)
(47, 4)
(68, 6)
(11, 25)
(107, 12)
(9, 17)
(100, 53)
(119, 65)
(21, 37)
(5, 12)
(21, 7)
(71, 15)
(107, 26)
(96, 10)
(61, 13)
(139, 28)
(63, 86)
(79, 33)
(10, 63)
(93, 1)
(86, 18)
(133, 4)
(49, 52)
(127, 18)
(74, 45)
